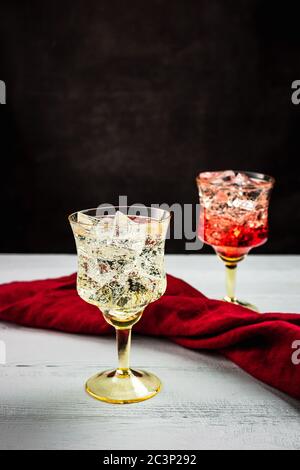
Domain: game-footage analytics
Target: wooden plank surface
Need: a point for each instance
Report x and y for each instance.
(206, 403)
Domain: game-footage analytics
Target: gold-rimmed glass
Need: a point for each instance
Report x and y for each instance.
(121, 271)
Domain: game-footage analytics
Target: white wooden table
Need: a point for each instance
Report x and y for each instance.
(207, 402)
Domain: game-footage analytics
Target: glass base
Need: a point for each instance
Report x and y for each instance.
(120, 386)
(242, 303)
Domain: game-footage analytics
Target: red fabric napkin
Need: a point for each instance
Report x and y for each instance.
(260, 344)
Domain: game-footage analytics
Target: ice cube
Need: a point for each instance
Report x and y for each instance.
(103, 227)
(244, 204)
(84, 225)
(227, 176)
(127, 233)
(85, 220)
(218, 177)
(241, 179)
(121, 224)
(208, 175)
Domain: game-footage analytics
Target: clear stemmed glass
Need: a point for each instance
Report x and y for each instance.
(121, 270)
(234, 217)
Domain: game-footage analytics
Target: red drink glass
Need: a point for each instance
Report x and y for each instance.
(234, 217)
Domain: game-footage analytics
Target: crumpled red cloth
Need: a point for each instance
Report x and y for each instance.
(259, 344)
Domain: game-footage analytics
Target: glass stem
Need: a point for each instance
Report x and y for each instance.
(231, 281)
(123, 343)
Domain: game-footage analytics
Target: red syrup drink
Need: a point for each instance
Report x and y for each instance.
(234, 211)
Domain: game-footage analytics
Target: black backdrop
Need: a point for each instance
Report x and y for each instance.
(109, 98)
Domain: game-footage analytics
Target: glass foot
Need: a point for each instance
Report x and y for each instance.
(119, 386)
(241, 303)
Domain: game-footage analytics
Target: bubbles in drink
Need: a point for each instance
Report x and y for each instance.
(234, 210)
(120, 263)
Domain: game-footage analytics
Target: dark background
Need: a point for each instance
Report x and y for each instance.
(109, 98)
